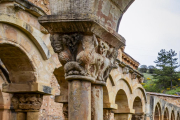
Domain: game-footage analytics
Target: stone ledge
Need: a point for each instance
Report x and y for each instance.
(4, 107)
(27, 88)
(124, 111)
(110, 106)
(61, 99)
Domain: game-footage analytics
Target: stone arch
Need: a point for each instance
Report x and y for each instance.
(18, 63)
(129, 86)
(29, 30)
(157, 112)
(166, 114)
(142, 90)
(123, 106)
(138, 107)
(139, 93)
(172, 115)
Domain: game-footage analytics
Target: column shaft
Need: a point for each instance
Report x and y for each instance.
(33, 115)
(21, 116)
(79, 100)
(97, 102)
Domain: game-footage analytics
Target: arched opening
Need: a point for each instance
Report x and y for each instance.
(123, 108)
(178, 116)
(157, 112)
(19, 66)
(137, 106)
(20, 71)
(166, 114)
(172, 115)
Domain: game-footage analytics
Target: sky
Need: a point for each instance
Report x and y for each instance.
(149, 26)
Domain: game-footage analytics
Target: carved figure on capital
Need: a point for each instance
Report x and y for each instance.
(84, 55)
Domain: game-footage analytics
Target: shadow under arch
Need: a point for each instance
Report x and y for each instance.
(138, 107)
(178, 116)
(172, 115)
(166, 114)
(105, 95)
(157, 112)
(18, 64)
(123, 106)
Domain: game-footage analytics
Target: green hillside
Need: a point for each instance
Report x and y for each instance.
(151, 86)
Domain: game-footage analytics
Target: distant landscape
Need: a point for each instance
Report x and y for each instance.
(164, 77)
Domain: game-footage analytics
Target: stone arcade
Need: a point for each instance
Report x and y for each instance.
(64, 60)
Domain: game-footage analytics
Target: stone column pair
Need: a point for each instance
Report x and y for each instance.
(27, 105)
(87, 61)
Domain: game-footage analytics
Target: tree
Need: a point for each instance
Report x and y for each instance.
(166, 64)
(143, 69)
(151, 69)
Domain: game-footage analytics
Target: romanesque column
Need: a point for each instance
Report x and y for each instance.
(83, 34)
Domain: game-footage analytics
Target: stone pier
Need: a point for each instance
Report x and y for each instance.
(83, 34)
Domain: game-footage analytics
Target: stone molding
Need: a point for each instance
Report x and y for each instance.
(27, 102)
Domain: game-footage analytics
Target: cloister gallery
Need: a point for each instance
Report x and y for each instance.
(64, 60)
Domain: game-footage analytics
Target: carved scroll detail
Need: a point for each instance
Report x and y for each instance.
(27, 101)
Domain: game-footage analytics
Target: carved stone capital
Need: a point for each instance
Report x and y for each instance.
(27, 101)
(107, 114)
(84, 55)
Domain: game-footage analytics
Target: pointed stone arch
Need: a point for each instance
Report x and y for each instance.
(166, 114)
(157, 112)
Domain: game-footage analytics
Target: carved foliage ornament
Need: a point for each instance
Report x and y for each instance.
(84, 55)
(27, 101)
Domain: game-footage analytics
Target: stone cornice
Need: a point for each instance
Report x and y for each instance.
(130, 60)
(132, 70)
(27, 6)
(87, 24)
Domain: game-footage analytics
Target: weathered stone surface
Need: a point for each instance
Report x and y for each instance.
(27, 102)
(79, 103)
(25, 50)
